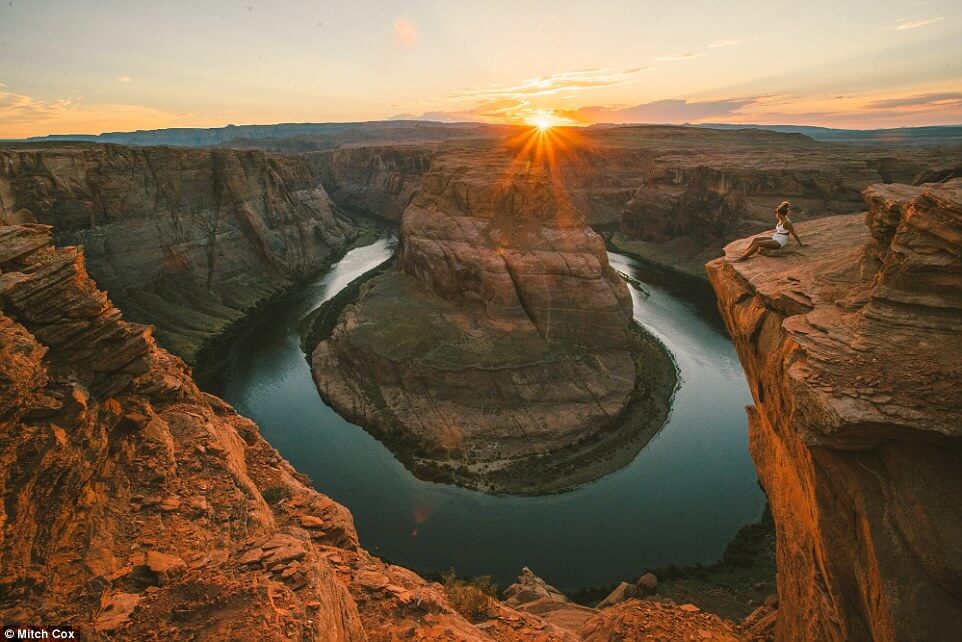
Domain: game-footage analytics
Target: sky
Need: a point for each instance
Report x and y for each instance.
(94, 66)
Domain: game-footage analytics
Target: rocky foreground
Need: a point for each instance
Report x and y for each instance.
(136, 507)
(500, 353)
(853, 350)
(191, 241)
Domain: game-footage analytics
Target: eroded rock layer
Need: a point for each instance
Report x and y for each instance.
(502, 337)
(188, 240)
(852, 347)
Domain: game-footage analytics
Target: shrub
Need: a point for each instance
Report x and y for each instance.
(276, 493)
(470, 598)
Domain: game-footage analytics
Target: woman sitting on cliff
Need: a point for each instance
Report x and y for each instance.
(783, 227)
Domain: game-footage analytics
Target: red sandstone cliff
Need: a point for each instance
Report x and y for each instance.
(852, 350)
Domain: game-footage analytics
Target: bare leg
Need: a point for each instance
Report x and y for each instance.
(758, 243)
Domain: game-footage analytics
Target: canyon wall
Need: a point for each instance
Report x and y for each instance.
(500, 354)
(379, 181)
(189, 240)
(851, 346)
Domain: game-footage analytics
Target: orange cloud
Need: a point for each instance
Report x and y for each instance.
(23, 116)
(405, 33)
(568, 82)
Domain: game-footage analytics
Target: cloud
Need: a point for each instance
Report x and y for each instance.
(678, 56)
(665, 111)
(489, 111)
(915, 24)
(518, 103)
(405, 32)
(568, 82)
(22, 116)
(729, 42)
(125, 79)
(919, 101)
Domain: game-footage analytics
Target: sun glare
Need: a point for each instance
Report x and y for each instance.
(543, 120)
(542, 123)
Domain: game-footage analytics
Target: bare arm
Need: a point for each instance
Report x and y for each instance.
(791, 228)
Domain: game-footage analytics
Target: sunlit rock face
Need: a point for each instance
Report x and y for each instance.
(503, 334)
(852, 347)
(489, 231)
(190, 240)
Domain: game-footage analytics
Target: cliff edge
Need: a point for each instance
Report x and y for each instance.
(852, 346)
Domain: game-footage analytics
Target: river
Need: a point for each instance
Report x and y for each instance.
(680, 501)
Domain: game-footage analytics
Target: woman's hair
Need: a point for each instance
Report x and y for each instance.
(783, 208)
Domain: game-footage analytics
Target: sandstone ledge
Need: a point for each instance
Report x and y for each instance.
(851, 346)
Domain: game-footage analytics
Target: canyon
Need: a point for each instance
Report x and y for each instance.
(137, 505)
(851, 348)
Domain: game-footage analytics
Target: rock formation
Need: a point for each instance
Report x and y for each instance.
(501, 353)
(650, 618)
(852, 350)
(191, 241)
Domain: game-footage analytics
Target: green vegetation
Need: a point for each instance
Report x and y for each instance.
(277, 493)
(470, 597)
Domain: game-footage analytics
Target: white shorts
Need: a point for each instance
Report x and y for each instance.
(781, 239)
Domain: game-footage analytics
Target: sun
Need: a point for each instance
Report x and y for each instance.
(543, 123)
(543, 120)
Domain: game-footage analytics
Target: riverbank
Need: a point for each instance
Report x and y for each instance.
(731, 587)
